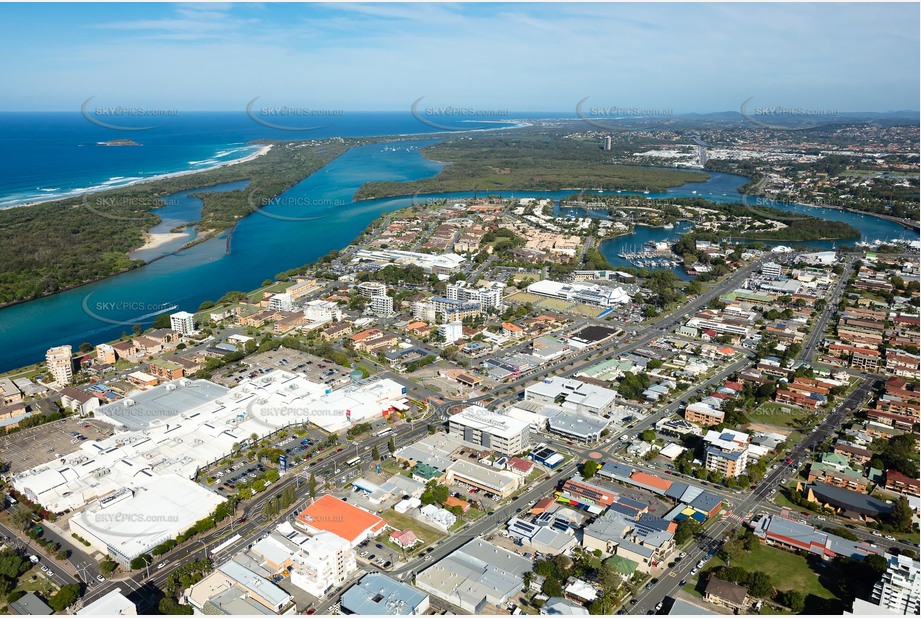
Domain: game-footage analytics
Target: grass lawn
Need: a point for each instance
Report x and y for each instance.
(40, 585)
(787, 571)
(770, 413)
(427, 534)
(524, 297)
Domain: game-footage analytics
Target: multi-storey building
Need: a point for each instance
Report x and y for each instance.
(370, 289)
(504, 434)
(727, 452)
(182, 322)
(899, 589)
(60, 363)
(489, 295)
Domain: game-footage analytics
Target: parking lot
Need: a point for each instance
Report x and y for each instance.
(296, 448)
(314, 368)
(37, 445)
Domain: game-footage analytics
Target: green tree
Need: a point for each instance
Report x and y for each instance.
(140, 562)
(648, 435)
(312, 485)
(759, 585)
(392, 446)
(375, 454)
(686, 530)
(168, 606)
(65, 597)
(161, 321)
(589, 468)
(730, 551)
(794, 599)
(901, 516)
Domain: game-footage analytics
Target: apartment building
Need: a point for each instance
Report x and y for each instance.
(182, 322)
(727, 452)
(59, 361)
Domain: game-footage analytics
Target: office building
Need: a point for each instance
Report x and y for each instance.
(899, 589)
(501, 433)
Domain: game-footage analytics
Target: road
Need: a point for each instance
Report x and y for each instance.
(249, 530)
(817, 334)
(714, 533)
(142, 584)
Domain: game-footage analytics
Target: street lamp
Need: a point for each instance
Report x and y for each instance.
(205, 546)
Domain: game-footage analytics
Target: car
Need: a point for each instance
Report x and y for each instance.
(162, 564)
(889, 537)
(100, 578)
(877, 533)
(683, 554)
(632, 601)
(789, 460)
(682, 582)
(649, 586)
(379, 546)
(44, 568)
(427, 557)
(659, 605)
(311, 611)
(372, 557)
(693, 572)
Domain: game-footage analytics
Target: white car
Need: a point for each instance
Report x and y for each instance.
(889, 537)
(44, 568)
(50, 574)
(875, 533)
(100, 578)
(162, 564)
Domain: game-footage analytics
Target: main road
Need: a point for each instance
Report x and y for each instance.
(142, 583)
(713, 533)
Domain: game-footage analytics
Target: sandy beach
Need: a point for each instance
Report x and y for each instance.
(152, 241)
(262, 150)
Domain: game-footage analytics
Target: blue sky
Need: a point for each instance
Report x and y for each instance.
(520, 57)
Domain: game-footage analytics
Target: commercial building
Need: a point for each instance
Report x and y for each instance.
(376, 594)
(444, 264)
(491, 480)
(575, 395)
(504, 434)
(576, 426)
(112, 604)
(597, 295)
(346, 521)
(477, 574)
(133, 520)
(239, 587)
(794, 535)
(59, 361)
(182, 322)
